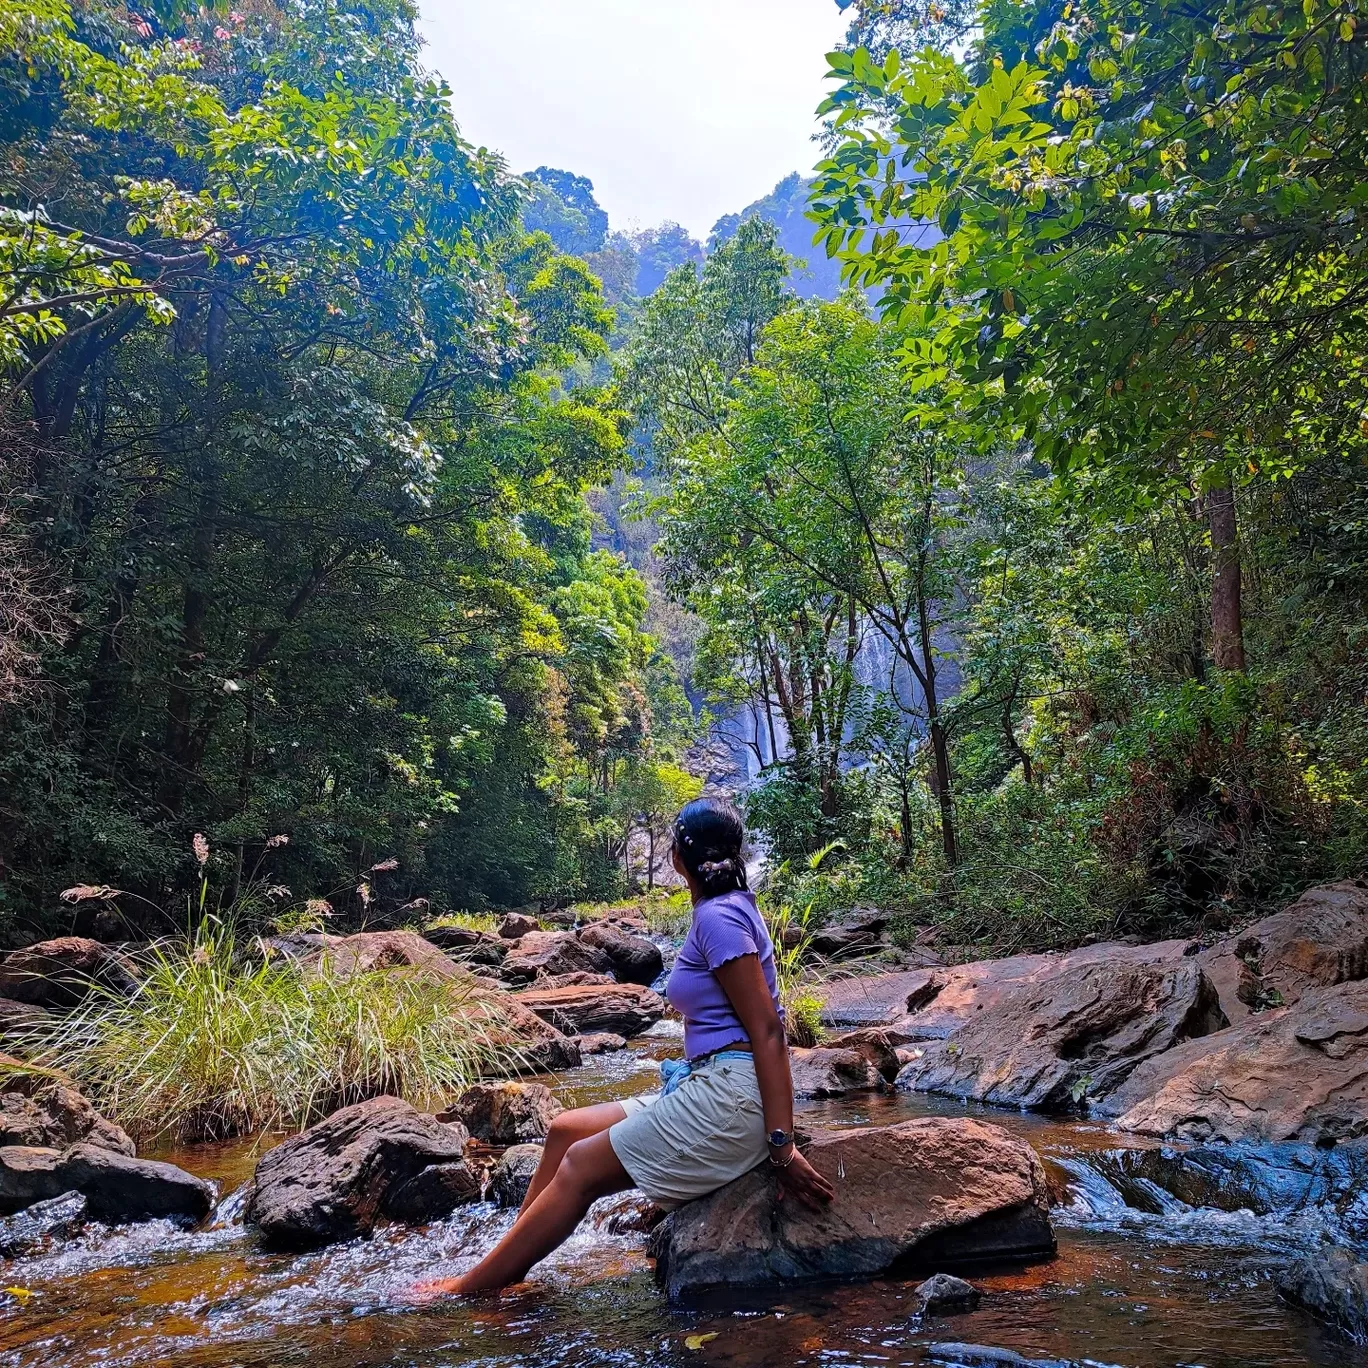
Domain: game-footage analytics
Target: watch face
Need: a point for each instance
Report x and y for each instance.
(778, 1139)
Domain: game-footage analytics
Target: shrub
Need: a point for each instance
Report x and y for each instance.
(212, 1045)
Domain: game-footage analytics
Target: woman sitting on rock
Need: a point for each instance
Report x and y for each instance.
(725, 1110)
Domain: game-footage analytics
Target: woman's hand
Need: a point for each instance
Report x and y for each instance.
(799, 1179)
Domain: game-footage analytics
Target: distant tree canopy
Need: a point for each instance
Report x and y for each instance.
(562, 205)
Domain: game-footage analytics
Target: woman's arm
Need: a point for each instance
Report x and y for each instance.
(743, 981)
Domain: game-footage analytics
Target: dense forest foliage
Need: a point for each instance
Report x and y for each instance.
(294, 530)
(368, 508)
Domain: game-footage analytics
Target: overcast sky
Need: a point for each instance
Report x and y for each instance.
(675, 109)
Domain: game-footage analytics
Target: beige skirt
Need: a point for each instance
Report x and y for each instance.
(710, 1130)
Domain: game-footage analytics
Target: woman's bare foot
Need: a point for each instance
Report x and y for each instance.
(424, 1292)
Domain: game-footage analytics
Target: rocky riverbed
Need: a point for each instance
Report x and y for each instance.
(1121, 1211)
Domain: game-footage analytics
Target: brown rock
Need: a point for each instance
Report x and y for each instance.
(51, 1114)
(1296, 1073)
(859, 932)
(467, 946)
(874, 1045)
(541, 1048)
(872, 999)
(116, 1188)
(573, 980)
(516, 925)
(371, 950)
(634, 959)
(827, 1072)
(1060, 1027)
(59, 973)
(933, 1191)
(1315, 942)
(1333, 1285)
(625, 1009)
(337, 1179)
(505, 1113)
(600, 1042)
(552, 952)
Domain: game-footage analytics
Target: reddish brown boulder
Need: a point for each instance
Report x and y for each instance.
(467, 946)
(51, 1114)
(1295, 1073)
(573, 981)
(633, 959)
(516, 925)
(933, 1191)
(59, 973)
(374, 1160)
(371, 950)
(825, 1072)
(552, 952)
(539, 1046)
(1315, 942)
(1071, 1026)
(600, 1042)
(505, 1113)
(625, 1009)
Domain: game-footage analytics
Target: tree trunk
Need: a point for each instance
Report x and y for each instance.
(1227, 624)
(940, 750)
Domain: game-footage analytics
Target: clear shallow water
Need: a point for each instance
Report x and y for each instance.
(1183, 1289)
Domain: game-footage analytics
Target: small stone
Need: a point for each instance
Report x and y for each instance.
(945, 1294)
(600, 1042)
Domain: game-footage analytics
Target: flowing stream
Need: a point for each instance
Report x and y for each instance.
(1180, 1289)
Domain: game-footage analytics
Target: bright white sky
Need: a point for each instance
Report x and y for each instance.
(675, 109)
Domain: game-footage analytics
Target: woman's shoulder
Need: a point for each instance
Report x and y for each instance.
(738, 905)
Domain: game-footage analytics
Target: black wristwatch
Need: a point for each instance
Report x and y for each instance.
(778, 1139)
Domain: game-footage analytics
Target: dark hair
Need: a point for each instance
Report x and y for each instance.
(709, 834)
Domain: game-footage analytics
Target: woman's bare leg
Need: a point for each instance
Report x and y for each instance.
(567, 1129)
(589, 1170)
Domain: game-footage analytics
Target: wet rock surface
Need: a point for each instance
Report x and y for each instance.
(1332, 1284)
(624, 1009)
(938, 1190)
(1294, 1073)
(337, 1179)
(58, 973)
(1045, 1031)
(954, 1355)
(600, 1042)
(1283, 1181)
(873, 1044)
(632, 958)
(116, 1188)
(505, 1113)
(33, 1229)
(513, 1174)
(945, 1294)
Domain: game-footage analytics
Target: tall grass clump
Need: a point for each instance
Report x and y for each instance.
(214, 1044)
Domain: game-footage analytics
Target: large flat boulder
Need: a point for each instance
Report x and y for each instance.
(368, 1162)
(1047, 1031)
(117, 1189)
(929, 1191)
(1316, 942)
(546, 953)
(632, 958)
(505, 1113)
(539, 1046)
(625, 1009)
(58, 973)
(1294, 1073)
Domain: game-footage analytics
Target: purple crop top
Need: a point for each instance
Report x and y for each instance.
(724, 928)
